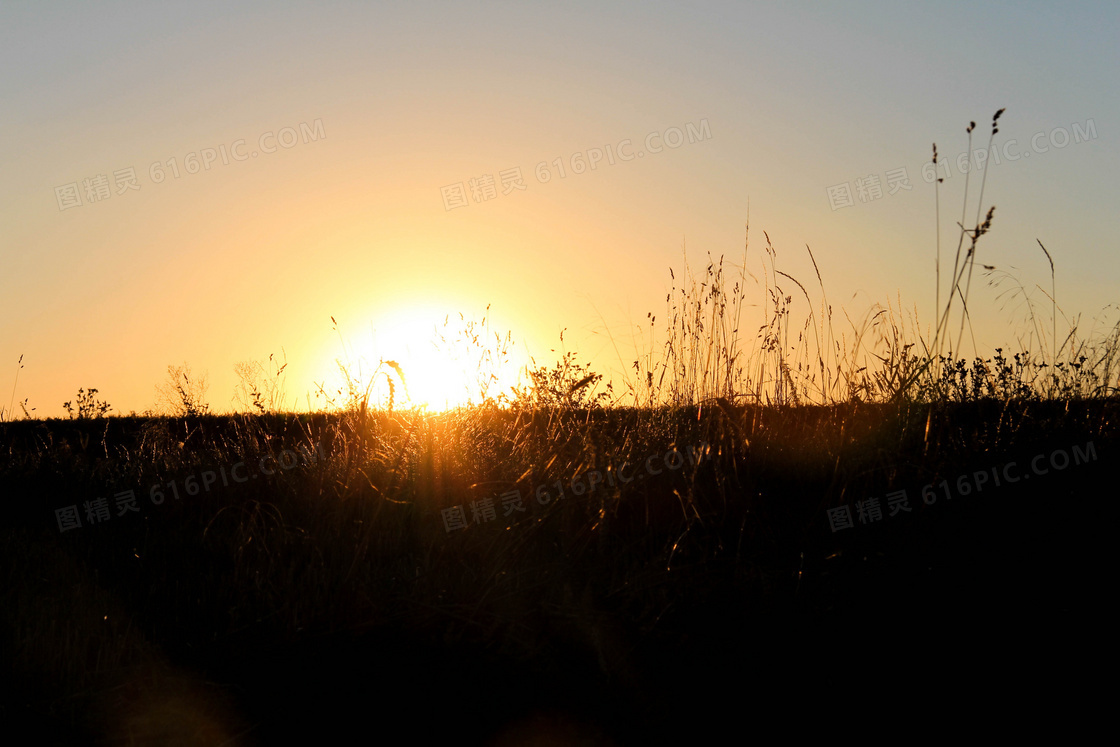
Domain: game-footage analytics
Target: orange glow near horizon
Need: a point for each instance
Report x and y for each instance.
(393, 167)
(437, 360)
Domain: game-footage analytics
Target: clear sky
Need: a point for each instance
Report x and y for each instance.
(325, 154)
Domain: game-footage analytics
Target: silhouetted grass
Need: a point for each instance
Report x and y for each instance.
(293, 605)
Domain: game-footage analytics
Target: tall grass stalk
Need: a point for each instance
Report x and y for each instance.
(11, 402)
(708, 354)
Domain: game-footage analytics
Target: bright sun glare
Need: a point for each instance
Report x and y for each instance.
(441, 369)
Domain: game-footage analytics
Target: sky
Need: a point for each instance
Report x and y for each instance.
(213, 183)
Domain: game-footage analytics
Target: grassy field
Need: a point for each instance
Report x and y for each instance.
(297, 601)
(767, 533)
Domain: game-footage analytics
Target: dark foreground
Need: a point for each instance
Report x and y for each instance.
(331, 598)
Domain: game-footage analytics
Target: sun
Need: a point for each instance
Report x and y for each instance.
(429, 356)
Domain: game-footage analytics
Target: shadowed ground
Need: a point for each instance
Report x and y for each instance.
(300, 604)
